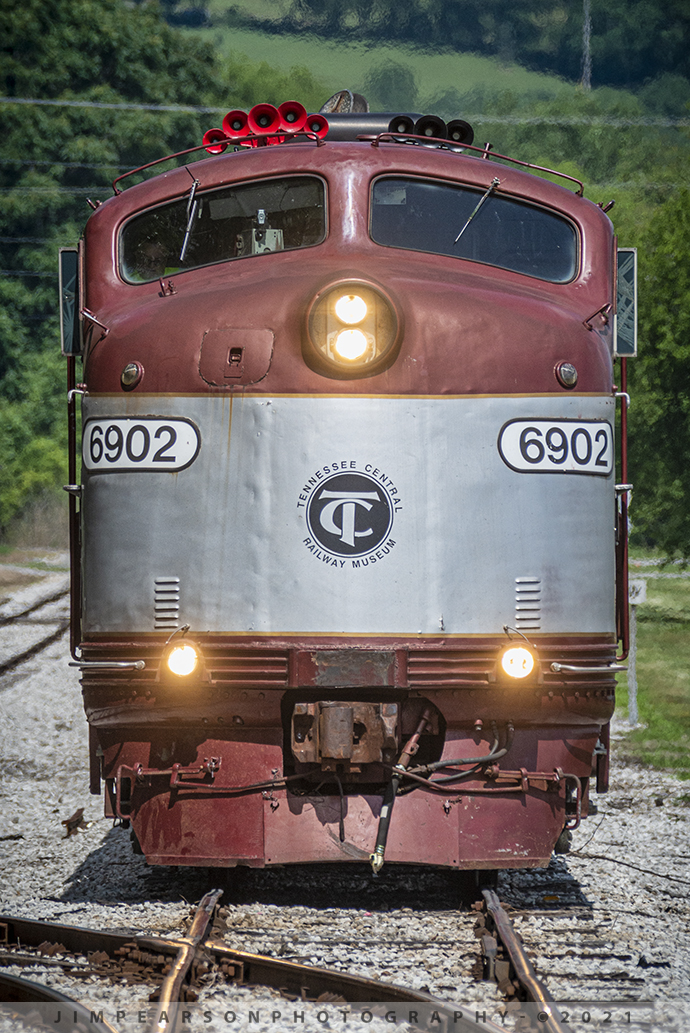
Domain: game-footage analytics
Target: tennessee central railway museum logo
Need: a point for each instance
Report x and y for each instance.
(349, 514)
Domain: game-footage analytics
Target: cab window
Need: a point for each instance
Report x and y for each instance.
(421, 215)
(222, 225)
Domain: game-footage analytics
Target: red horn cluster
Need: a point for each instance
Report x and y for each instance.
(235, 124)
(261, 125)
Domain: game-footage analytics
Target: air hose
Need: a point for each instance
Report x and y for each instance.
(403, 767)
(494, 754)
(391, 791)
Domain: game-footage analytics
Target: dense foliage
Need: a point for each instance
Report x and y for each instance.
(660, 382)
(52, 158)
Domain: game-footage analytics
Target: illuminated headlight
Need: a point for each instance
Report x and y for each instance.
(351, 345)
(183, 660)
(350, 309)
(352, 330)
(517, 662)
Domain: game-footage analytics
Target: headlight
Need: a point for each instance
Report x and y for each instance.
(183, 660)
(352, 330)
(517, 662)
(351, 345)
(350, 309)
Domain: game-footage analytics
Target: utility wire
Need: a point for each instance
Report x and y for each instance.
(582, 120)
(25, 272)
(50, 188)
(101, 104)
(24, 240)
(556, 120)
(64, 164)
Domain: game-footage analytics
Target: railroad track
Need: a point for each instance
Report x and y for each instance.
(180, 967)
(68, 1015)
(176, 972)
(28, 627)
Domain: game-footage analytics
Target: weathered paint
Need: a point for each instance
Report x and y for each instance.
(234, 526)
(466, 540)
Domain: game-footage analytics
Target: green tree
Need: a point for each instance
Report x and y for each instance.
(94, 53)
(660, 382)
(391, 86)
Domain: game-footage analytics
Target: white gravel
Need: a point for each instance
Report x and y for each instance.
(628, 874)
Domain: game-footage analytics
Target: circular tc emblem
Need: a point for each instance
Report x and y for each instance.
(350, 514)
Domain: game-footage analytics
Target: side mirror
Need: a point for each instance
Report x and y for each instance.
(70, 328)
(625, 336)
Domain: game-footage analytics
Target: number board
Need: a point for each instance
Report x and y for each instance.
(143, 443)
(625, 337)
(69, 300)
(557, 446)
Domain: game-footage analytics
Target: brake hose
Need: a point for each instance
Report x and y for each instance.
(494, 754)
(391, 791)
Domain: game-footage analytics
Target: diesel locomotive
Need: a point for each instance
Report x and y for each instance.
(348, 526)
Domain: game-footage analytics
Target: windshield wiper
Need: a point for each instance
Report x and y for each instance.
(481, 201)
(191, 212)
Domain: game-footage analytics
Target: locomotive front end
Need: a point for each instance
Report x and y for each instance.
(347, 513)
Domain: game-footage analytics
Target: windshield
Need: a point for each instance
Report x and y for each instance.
(449, 220)
(235, 222)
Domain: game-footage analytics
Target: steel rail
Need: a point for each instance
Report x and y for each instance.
(14, 990)
(303, 982)
(254, 969)
(522, 966)
(7, 619)
(37, 647)
(52, 598)
(172, 984)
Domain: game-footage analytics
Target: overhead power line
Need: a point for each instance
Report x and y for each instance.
(581, 120)
(25, 272)
(65, 164)
(556, 120)
(188, 108)
(49, 189)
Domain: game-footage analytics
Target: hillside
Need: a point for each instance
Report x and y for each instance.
(340, 64)
(621, 43)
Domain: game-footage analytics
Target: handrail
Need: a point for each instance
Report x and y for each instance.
(604, 669)
(450, 145)
(622, 604)
(108, 665)
(237, 141)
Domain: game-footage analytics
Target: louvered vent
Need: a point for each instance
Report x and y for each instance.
(527, 603)
(166, 603)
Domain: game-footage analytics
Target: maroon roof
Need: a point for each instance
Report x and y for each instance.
(469, 328)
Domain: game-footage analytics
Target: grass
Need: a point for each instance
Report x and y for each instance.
(41, 525)
(22, 567)
(347, 65)
(43, 561)
(663, 675)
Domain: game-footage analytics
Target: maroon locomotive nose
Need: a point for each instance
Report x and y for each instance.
(343, 546)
